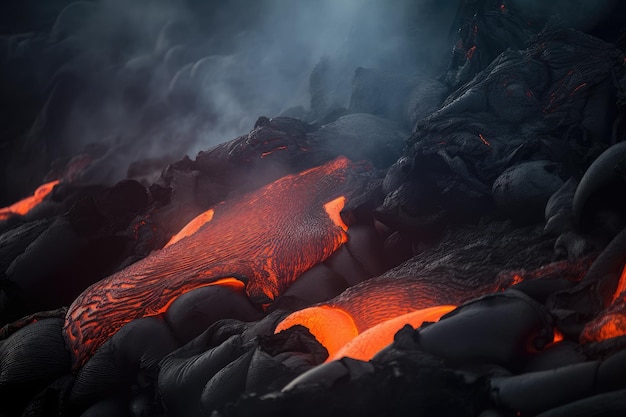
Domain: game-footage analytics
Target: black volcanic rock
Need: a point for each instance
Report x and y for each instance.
(526, 105)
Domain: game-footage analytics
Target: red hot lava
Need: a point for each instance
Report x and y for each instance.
(266, 239)
(27, 204)
(612, 322)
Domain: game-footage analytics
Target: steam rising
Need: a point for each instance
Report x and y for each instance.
(138, 80)
(155, 78)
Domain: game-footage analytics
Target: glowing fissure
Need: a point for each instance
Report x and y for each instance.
(333, 209)
(27, 204)
(266, 238)
(268, 153)
(612, 322)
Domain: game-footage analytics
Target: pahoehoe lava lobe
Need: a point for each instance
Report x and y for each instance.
(266, 239)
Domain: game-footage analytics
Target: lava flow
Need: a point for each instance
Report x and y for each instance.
(612, 322)
(27, 204)
(370, 342)
(337, 329)
(266, 239)
(364, 318)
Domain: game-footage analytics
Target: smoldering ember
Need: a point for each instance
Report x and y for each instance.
(411, 208)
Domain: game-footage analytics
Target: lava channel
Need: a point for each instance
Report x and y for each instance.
(265, 239)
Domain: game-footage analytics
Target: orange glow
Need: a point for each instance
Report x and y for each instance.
(621, 287)
(606, 327)
(367, 344)
(383, 300)
(192, 227)
(333, 209)
(482, 138)
(517, 279)
(332, 327)
(558, 336)
(266, 239)
(380, 299)
(27, 204)
(612, 322)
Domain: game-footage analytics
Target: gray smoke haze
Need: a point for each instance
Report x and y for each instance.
(158, 79)
(154, 78)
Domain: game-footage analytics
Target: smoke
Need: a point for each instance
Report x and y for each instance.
(163, 78)
(158, 79)
(145, 82)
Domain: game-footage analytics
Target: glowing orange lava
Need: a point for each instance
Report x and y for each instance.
(382, 304)
(612, 322)
(266, 239)
(367, 344)
(621, 287)
(27, 204)
(192, 227)
(332, 327)
(333, 209)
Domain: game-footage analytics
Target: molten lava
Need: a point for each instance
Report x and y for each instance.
(266, 239)
(374, 310)
(337, 329)
(381, 303)
(370, 342)
(332, 327)
(27, 204)
(612, 322)
(192, 227)
(620, 291)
